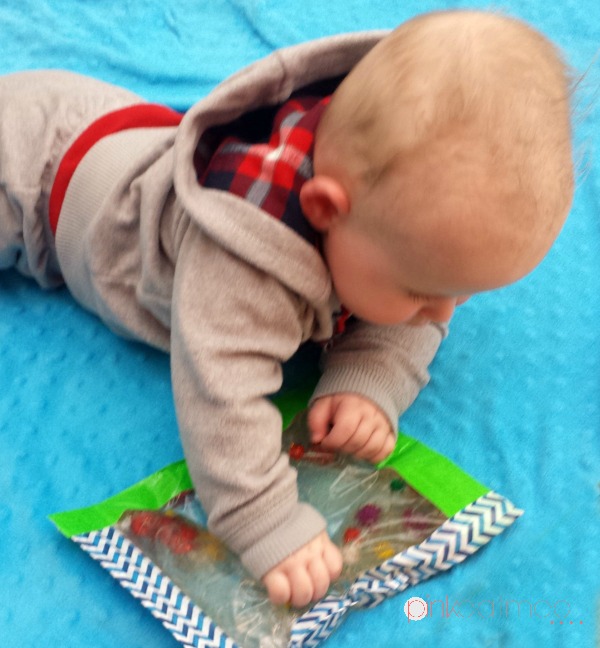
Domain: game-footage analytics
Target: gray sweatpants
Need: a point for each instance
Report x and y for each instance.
(41, 113)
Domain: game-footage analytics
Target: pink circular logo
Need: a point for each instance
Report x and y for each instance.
(415, 609)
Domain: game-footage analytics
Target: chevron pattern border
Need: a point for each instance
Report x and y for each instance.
(156, 592)
(451, 543)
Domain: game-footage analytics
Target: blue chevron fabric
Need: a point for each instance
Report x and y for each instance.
(450, 544)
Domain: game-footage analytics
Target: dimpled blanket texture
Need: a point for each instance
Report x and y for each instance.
(514, 397)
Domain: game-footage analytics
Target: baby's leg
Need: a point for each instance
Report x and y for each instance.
(41, 113)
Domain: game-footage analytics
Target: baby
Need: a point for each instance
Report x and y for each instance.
(351, 191)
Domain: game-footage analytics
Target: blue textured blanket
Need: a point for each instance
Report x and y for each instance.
(514, 397)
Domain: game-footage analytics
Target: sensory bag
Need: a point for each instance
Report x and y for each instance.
(414, 515)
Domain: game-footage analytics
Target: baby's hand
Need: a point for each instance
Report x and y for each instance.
(351, 424)
(306, 574)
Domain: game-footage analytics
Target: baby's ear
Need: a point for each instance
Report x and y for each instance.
(323, 199)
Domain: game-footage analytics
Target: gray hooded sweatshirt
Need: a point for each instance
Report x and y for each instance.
(228, 290)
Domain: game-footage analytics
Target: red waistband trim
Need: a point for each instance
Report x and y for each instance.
(136, 116)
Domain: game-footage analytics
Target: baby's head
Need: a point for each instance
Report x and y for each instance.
(443, 166)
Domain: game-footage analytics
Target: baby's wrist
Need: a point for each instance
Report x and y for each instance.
(302, 526)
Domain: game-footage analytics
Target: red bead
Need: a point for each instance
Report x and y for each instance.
(351, 534)
(296, 451)
(145, 523)
(412, 520)
(177, 536)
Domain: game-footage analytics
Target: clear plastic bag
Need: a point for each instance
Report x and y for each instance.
(372, 515)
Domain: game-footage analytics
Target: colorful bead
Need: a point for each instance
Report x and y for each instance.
(145, 523)
(178, 537)
(384, 550)
(213, 549)
(296, 451)
(165, 527)
(368, 514)
(397, 485)
(412, 520)
(351, 534)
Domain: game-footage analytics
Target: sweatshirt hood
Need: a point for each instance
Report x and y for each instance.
(244, 229)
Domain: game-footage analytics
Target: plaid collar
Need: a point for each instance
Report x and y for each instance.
(270, 172)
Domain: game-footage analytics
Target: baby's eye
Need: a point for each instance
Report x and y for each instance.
(416, 297)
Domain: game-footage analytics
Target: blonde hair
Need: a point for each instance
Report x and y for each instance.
(450, 73)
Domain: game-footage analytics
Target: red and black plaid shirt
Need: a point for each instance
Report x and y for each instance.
(270, 172)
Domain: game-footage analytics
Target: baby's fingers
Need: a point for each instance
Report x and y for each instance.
(305, 575)
(333, 559)
(350, 435)
(278, 587)
(319, 419)
(302, 586)
(342, 435)
(378, 447)
(320, 577)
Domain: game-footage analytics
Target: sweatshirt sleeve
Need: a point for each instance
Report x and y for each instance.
(232, 327)
(386, 364)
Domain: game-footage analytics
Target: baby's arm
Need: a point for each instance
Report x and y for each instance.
(232, 327)
(372, 374)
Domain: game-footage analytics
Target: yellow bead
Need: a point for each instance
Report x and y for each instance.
(384, 550)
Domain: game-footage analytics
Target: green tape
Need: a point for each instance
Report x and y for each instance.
(155, 491)
(149, 494)
(434, 476)
(292, 402)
